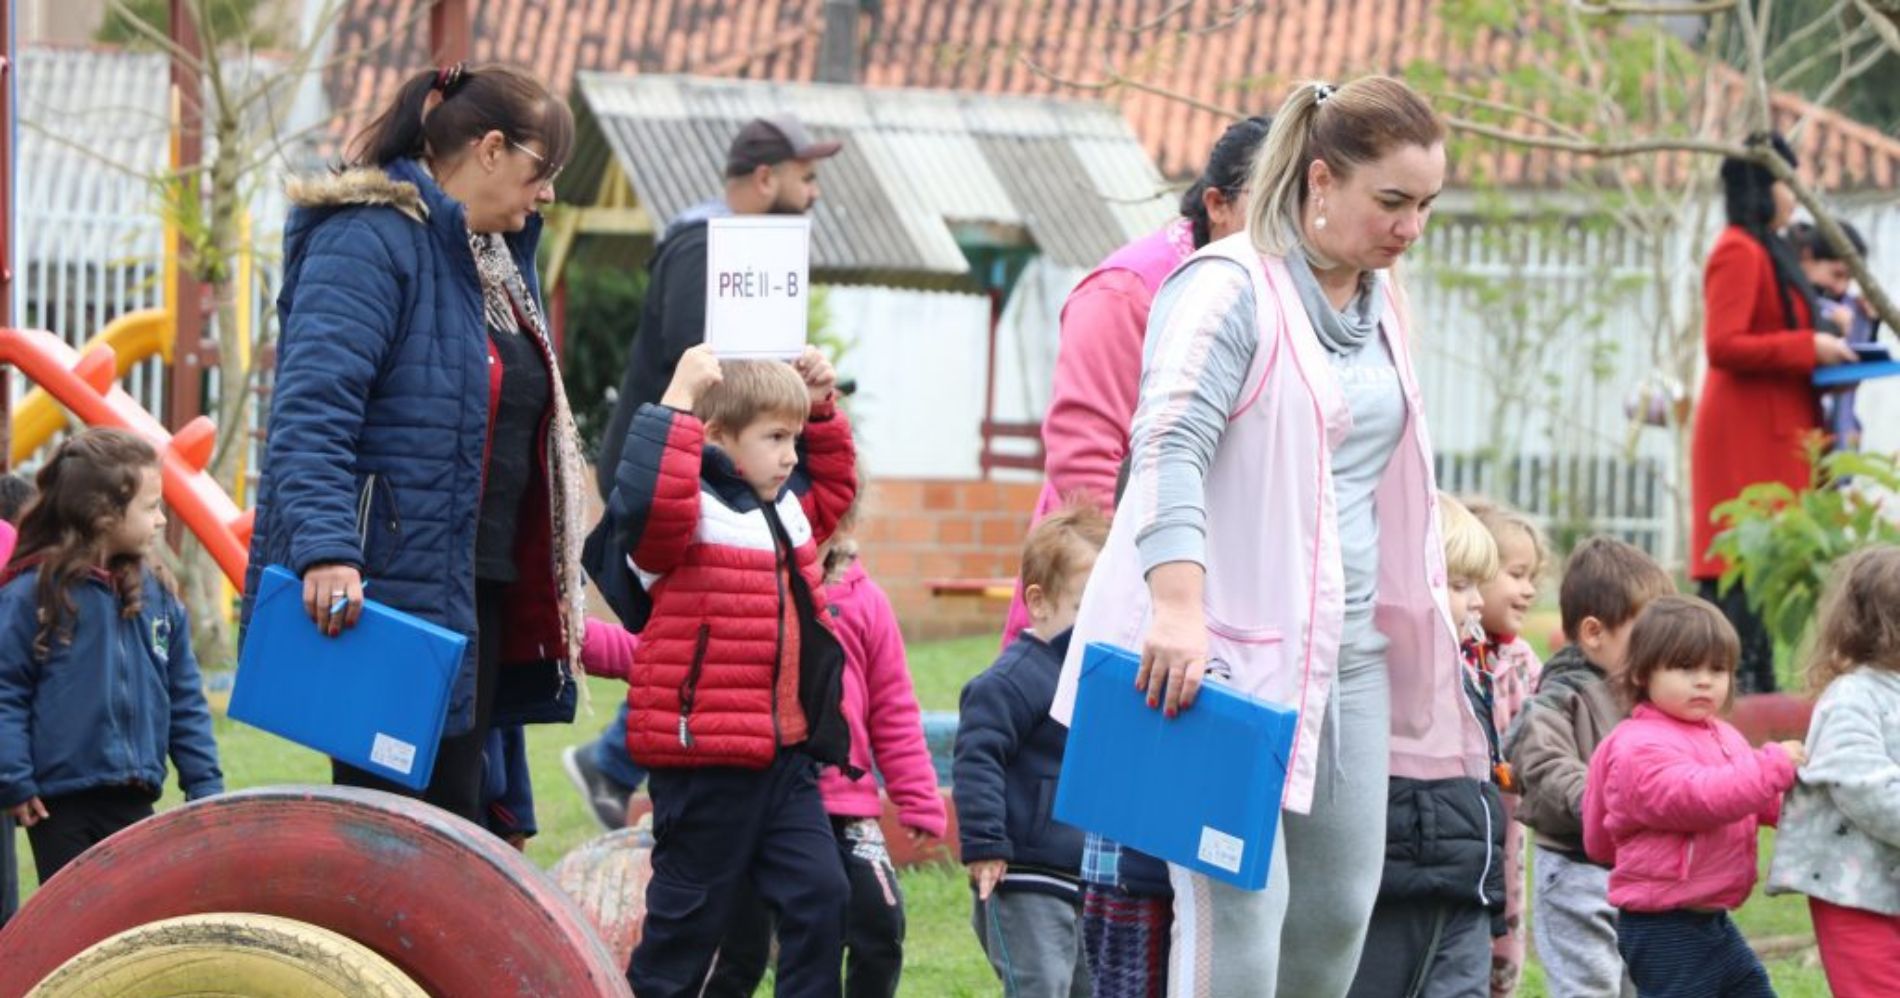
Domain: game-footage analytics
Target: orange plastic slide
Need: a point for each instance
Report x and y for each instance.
(133, 337)
(85, 386)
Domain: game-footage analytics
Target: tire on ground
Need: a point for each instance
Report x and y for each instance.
(261, 956)
(451, 906)
(607, 876)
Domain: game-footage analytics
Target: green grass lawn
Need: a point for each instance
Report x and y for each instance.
(941, 955)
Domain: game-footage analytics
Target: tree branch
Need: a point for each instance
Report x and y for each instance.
(157, 37)
(1881, 21)
(1792, 43)
(1835, 235)
(1600, 150)
(1158, 20)
(1788, 77)
(1114, 78)
(1847, 75)
(1658, 9)
(1511, 109)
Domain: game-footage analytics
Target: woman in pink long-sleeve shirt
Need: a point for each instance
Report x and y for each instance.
(1105, 322)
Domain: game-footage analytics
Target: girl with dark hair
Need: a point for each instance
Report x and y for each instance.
(1758, 403)
(419, 438)
(97, 680)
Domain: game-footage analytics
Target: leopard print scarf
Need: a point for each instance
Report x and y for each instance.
(504, 296)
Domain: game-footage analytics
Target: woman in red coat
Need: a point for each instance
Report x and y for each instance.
(1758, 401)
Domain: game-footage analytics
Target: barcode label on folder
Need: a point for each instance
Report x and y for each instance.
(396, 754)
(1221, 849)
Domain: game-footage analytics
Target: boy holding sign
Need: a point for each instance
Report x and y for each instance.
(723, 494)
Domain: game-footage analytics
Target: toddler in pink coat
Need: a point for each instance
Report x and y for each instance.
(1672, 803)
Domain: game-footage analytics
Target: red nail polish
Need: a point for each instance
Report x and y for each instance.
(1152, 702)
(1170, 713)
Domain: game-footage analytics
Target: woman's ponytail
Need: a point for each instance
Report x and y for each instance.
(1279, 172)
(397, 132)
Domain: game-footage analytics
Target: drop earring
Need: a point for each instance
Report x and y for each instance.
(1320, 221)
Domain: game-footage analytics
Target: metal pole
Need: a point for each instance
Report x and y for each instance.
(189, 358)
(7, 244)
(451, 31)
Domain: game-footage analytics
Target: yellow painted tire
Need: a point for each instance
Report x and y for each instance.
(258, 956)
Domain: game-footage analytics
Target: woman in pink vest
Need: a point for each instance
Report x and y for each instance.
(1278, 532)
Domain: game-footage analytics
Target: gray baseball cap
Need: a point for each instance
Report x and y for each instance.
(773, 140)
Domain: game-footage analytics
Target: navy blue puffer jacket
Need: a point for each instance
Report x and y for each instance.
(379, 425)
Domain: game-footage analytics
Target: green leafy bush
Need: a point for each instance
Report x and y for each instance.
(1782, 544)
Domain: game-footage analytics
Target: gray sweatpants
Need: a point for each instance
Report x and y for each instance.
(1034, 942)
(1326, 866)
(1574, 927)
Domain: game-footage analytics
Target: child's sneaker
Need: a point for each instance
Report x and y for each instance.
(606, 800)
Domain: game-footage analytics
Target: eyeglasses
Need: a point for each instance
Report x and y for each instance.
(539, 158)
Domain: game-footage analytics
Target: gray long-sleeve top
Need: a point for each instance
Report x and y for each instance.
(1201, 337)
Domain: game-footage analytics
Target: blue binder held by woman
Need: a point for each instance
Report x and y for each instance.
(375, 696)
(1201, 790)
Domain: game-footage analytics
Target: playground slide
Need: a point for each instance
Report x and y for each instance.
(133, 337)
(85, 386)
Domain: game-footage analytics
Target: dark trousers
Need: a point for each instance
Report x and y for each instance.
(77, 822)
(713, 830)
(1755, 673)
(9, 873)
(1689, 954)
(874, 923)
(455, 785)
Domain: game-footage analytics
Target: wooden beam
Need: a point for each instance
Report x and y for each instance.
(451, 32)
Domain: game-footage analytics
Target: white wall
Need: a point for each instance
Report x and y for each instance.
(920, 362)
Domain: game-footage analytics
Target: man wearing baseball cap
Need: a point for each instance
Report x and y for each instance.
(771, 169)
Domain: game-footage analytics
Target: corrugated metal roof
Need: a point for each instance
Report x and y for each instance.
(915, 163)
(94, 133)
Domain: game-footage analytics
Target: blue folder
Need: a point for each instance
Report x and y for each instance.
(1201, 790)
(1848, 374)
(375, 696)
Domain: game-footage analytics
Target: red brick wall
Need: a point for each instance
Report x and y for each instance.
(916, 530)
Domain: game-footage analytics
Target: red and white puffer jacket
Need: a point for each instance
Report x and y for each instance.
(737, 659)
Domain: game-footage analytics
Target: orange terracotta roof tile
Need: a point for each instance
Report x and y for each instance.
(1229, 54)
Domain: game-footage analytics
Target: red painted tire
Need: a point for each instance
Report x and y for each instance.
(607, 877)
(450, 905)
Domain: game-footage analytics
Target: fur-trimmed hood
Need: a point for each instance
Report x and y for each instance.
(357, 186)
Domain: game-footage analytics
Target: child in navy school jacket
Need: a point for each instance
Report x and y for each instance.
(1024, 865)
(97, 679)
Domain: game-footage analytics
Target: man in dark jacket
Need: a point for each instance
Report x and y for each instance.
(771, 169)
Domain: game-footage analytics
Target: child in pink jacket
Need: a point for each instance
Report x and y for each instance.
(1672, 802)
(887, 734)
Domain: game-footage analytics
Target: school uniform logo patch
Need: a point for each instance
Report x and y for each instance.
(162, 637)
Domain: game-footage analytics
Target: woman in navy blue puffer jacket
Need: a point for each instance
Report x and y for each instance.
(419, 439)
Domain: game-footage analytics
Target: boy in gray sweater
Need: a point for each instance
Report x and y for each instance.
(1606, 584)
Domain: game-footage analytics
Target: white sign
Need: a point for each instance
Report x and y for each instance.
(758, 270)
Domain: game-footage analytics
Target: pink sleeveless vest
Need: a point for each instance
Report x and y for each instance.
(1275, 590)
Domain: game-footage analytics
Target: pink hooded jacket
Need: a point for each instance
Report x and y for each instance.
(1671, 807)
(880, 705)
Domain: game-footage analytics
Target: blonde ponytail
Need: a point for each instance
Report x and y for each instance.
(1278, 184)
